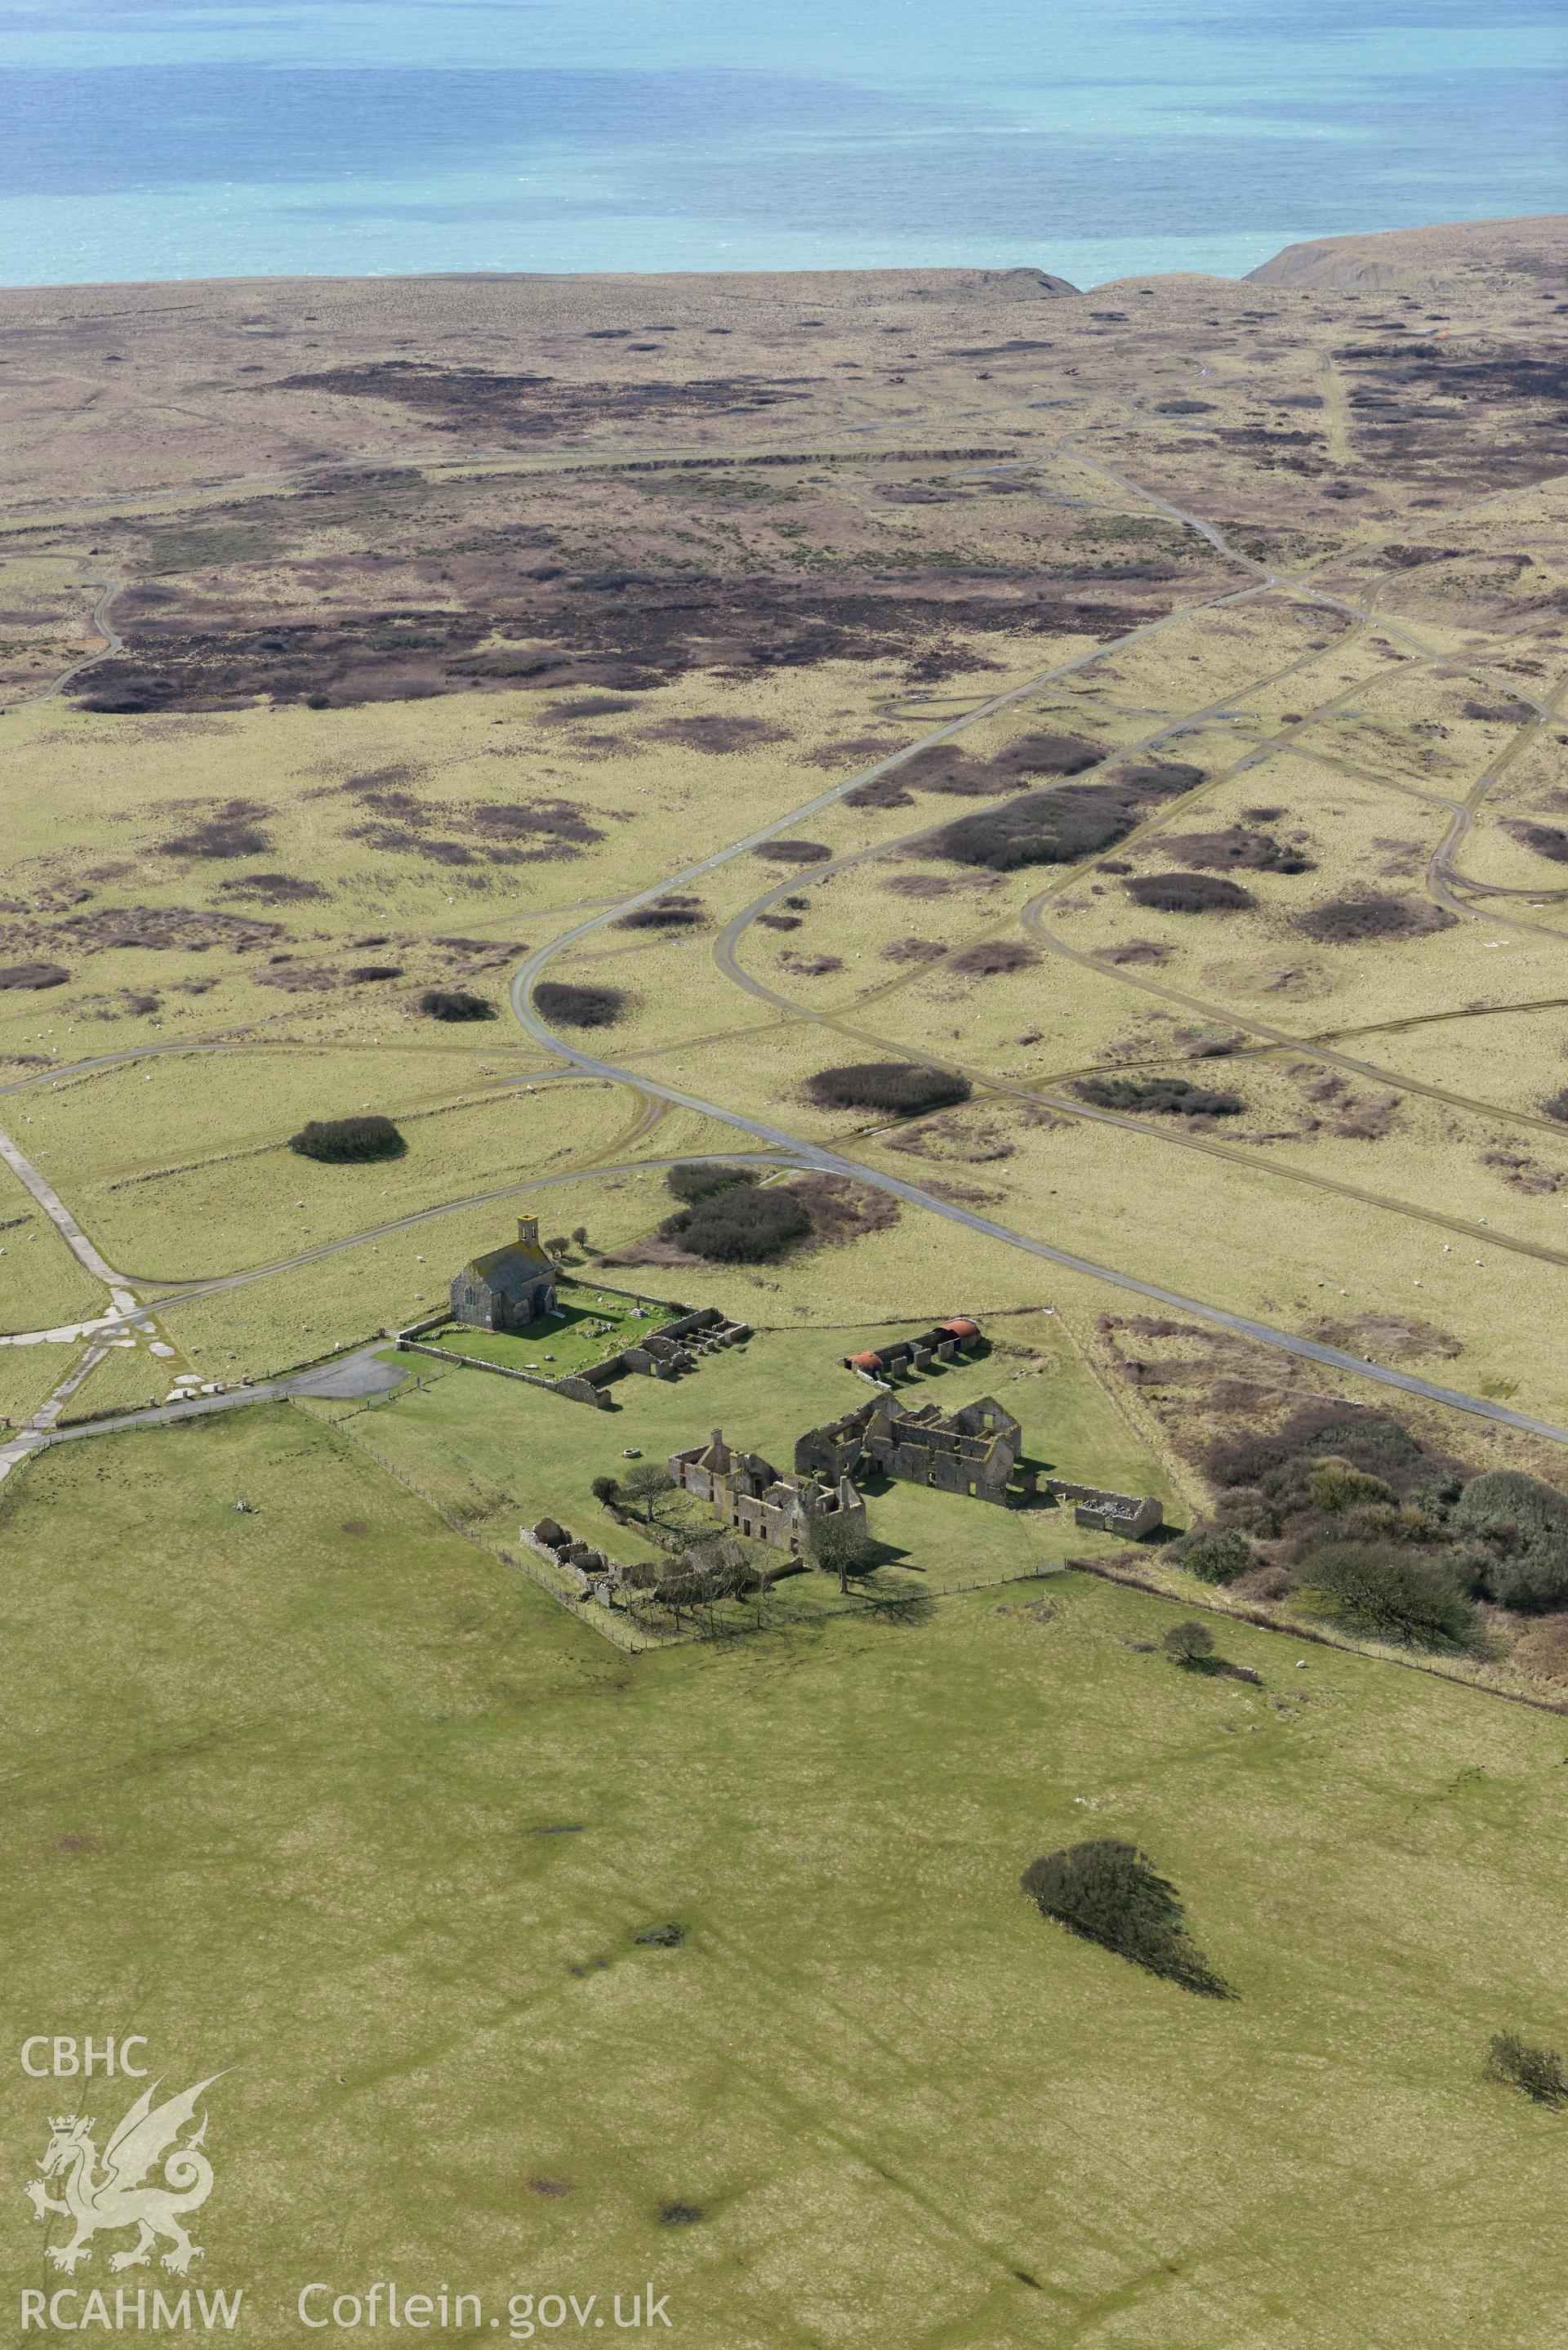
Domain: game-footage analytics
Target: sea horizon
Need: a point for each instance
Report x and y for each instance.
(1094, 139)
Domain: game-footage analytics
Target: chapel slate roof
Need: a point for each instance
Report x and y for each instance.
(511, 1269)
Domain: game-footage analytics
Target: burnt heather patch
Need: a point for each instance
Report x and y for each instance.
(162, 929)
(1415, 404)
(901, 1086)
(272, 889)
(1058, 826)
(793, 852)
(529, 406)
(572, 1006)
(991, 957)
(672, 913)
(1171, 1096)
(500, 832)
(1342, 921)
(611, 635)
(1236, 848)
(33, 974)
(1134, 951)
(230, 830)
(1188, 893)
(455, 1004)
(1548, 841)
(955, 772)
(714, 734)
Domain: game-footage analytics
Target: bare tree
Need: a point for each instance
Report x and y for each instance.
(840, 1546)
(1190, 1643)
(644, 1482)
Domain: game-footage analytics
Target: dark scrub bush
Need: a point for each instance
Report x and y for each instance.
(702, 1180)
(1188, 893)
(455, 1004)
(579, 1007)
(1171, 1096)
(1384, 1594)
(664, 914)
(1048, 827)
(343, 1140)
(1522, 1525)
(1214, 1553)
(741, 1226)
(1537, 2071)
(1236, 848)
(1342, 921)
(1110, 1892)
(897, 1085)
(1336, 1484)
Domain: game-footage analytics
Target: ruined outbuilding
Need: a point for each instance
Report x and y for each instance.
(972, 1451)
(1131, 1515)
(896, 1357)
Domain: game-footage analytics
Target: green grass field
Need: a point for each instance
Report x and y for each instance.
(28, 1375)
(126, 1378)
(42, 1286)
(325, 1795)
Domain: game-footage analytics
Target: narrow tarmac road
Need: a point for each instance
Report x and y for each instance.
(832, 1162)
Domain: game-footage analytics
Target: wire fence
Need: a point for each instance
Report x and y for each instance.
(722, 1621)
(1320, 1636)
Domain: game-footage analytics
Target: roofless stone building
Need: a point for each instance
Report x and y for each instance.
(973, 1451)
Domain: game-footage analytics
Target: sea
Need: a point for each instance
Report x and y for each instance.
(1097, 138)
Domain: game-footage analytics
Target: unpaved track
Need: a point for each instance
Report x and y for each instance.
(110, 643)
(41, 1429)
(847, 1023)
(86, 1253)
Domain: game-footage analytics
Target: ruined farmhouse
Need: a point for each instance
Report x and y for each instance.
(756, 1500)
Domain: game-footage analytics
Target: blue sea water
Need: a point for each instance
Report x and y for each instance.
(166, 139)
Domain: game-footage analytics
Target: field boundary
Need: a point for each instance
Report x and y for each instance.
(1319, 1635)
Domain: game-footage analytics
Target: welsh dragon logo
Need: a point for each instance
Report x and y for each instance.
(116, 2196)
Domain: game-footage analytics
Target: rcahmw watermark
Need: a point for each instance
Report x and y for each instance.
(528, 2314)
(130, 2309)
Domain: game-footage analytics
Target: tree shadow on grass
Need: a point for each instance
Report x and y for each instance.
(905, 1610)
(1220, 1669)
